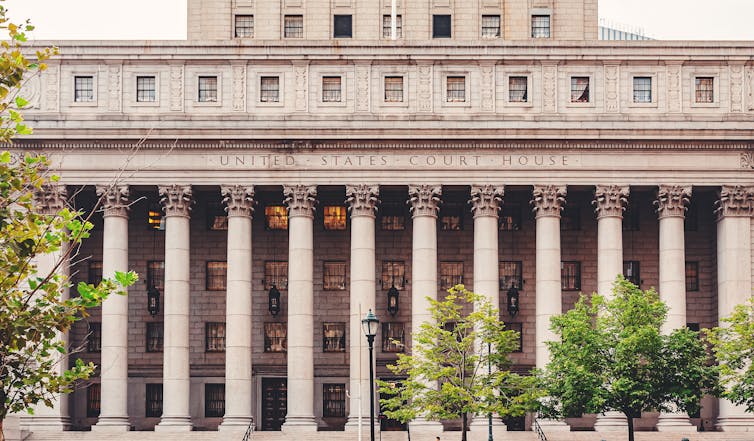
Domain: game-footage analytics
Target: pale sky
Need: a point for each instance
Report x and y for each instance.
(166, 19)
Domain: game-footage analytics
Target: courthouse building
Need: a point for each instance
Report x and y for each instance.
(281, 171)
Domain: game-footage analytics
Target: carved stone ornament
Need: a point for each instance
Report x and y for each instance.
(114, 199)
(486, 200)
(610, 200)
(300, 199)
(672, 200)
(238, 199)
(176, 200)
(735, 201)
(362, 199)
(548, 200)
(51, 198)
(424, 200)
(747, 160)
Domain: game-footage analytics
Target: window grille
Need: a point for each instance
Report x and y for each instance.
(392, 218)
(386, 26)
(244, 26)
(490, 26)
(334, 217)
(153, 400)
(441, 26)
(456, 89)
(269, 90)
(276, 217)
(393, 274)
(580, 90)
(275, 337)
(518, 89)
(333, 400)
(705, 89)
(518, 327)
(207, 89)
(217, 276)
(95, 272)
(94, 337)
(451, 274)
(276, 273)
(156, 275)
(333, 337)
(146, 89)
(215, 337)
(451, 218)
(571, 219)
(511, 275)
(214, 400)
(217, 218)
(642, 89)
(393, 89)
(155, 336)
(631, 272)
(540, 26)
(570, 276)
(342, 26)
(334, 276)
(93, 394)
(83, 89)
(510, 217)
(393, 337)
(692, 276)
(293, 26)
(631, 216)
(331, 92)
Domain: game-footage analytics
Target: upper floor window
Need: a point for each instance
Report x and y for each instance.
(269, 89)
(217, 275)
(276, 274)
(570, 276)
(275, 337)
(451, 218)
(441, 26)
(393, 337)
(631, 272)
(156, 275)
(331, 91)
(95, 272)
(276, 217)
(394, 89)
(342, 27)
(83, 88)
(214, 400)
(244, 26)
(217, 217)
(393, 274)
(692, 276)
(540, 26)
(334, 276)
(580, 90)
(215, 337)
(94, 337)
(642, 89)
(207, 89)
(155, 337)
(490, 26)
(146, 89)
(705, 89)
(333, 337)
(518, 89)
(510, 217)
(511, 275)
(334, 217)
(456, 89)
(293, 26)
(387, 26)
(451, 274)
(333, 400)
(392, 217)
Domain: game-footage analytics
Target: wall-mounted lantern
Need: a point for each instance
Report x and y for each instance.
(273, 298)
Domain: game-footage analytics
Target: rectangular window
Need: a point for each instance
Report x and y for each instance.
(293, 26)
(540, 26)
(334, 276)
(570, 276)
(441, 26)
(155, 336)
(156, 275)
(631, 216)
(333, 337)
(269, 89)
(518, 327)
(244, 26)
(217, 276)
(451, 274)
(95, 272)
(393, 274)
(692, 276)
(451, 218)
(580, 90)
(331, 91)
(342, 26)
(155, 219)
(571, 219)
(276, 217)
(705, 89)
(214, 400)
(275, 337)
(631, 272)
(333, 400)
(386, 26)
(642, 89)
(456, 89)
(392, 217)
(490, 26)
(394, 89)
(511, 275)
(217, 217)
(276, 274)
(518, 89)
(83, 89)
(93, 400)
(207, 89)
(393, 337)
(510, 217)
(214, 340)
(334, 217)
(94, 337)
(146, 89)
(154, 400)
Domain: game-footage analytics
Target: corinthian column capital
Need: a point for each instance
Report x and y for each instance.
(735, 200)
(424, 200)
(486, 200)
(672, 200)
(114, 199)
(176, 200)
(238, 199)
(610, 200)
(548, 200)
(51, 198)
(300, 199)
(362, 199)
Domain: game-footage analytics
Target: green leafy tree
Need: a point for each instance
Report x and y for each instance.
(447, 377)
(612, 356)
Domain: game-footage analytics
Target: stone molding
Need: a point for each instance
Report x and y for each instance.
(486, 200)
(548, 200)
(672, 200)
(735, 201)
(424, 200)
(51, 198)
(114, 200)
(610, 200)
(238, 199)
(362, 199)
(176, 200)
(300, 200)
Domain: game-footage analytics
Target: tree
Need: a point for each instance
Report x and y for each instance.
(445, 354)
(733, 346)
(612, 356)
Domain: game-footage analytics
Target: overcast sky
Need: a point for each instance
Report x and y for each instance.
(166, 19)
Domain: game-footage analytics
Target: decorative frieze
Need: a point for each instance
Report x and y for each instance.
(486, 200)
(747, 160)
(362, 87)
(611, 88)
(176, 88)
(176, 200)
(737, 88)
(238, 199)
(114, 199)
(488, 87)
(239, 88)
(300, 199)
(548, 200)
(734, 200)
(610, 200)
(52, 87)
(362, 199)
(31, 91)
(114, 87)
(424, 90)
(674, 88)
(51, 198)
(750, 87)
(672, 200)
(301, 71)
(549, 88)
(424, 200)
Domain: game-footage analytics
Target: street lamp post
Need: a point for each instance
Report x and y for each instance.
(369, 325)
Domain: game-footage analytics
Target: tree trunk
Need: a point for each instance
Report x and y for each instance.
(464, 426)
(630, 428)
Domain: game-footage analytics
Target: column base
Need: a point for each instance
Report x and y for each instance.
(552, 425)
(352, 425)
(479, 428)
(611, 422)
(299, 424)
(236, 424)
(736, 424)
(39, 423)
(424, 426)
(112, 424)
(675, 422)
(174, 424)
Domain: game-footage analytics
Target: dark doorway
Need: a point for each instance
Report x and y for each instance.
(388, 424)
(274, 402)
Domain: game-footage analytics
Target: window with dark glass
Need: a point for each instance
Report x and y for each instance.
(93, 392)
(293, 26)
(631, 216)
(94, 337)
(342, 27)
(386, 26)
(217, 276)
(518, 327)
(334, 276)
(214, 337)
(214, 400)
(276, 217)
(334, 217)
(207, 89)
(571, 219)
(244, 26)
(153, 400)
(83, 89)
(510, 217)
(451, 274)
(570, 276)
(95, 272)
(580, 90)
(333, 400)
(456, 89)
(518, 89)
(393, 337)
(705, 89)
(692, 276)
(451, 218)
(155, 336)
(441, 26)
(642, 89)
(394, 89)
(393, 274)
(146, 89)
(156, 275)
(269, 89)
(276, 273)
(331, 91)
(490, 26)
(511, 275)
(275, 337)
(333, 337)
(631, 272)
(540, 26)
(392, 217)
(217, 218)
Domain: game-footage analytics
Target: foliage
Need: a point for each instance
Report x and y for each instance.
(445, 354)
(612, 356)
(733, 346)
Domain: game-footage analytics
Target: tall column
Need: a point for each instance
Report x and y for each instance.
(671, 209)
(362, 200)
(300, 200)
(610, 203)
(424, 201)
(176, 201)
(114, 363)
(734, 211)
(239, 201)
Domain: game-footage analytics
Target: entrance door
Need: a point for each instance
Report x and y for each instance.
(274, 402)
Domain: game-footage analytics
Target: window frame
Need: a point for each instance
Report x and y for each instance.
(634, 265)
(534, 15)
(435, 22)
(154, 337)
(402, 91)
(214, 400)
(329, 286)
(388, 334)
(516, 216)
(589, 87)
(388, 274)
(451, 211)
(271, 100)
(338, 216)
(221, 279)
(499, 28)
(93, 400)
(334, 343)
(330, 78)
(333, 400)
(275, 343)
(634, 90)
(695, 285)
(527, 101)
(74, 90)
(94, 337)
(716, 97)
(155, 90)
(281, 277)
(446, 95)
(444, 277)
(236, 27)
(349, 19)
(282, 224)
(94, 272)
(577, 276)
(386, 31)
(518, 276)
(156, 272)
(286, 36)
(218, 90)
(153, 398)
(216, 210)
(215, 336)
